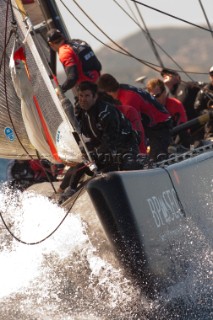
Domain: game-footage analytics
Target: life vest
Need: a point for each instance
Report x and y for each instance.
(86, 55)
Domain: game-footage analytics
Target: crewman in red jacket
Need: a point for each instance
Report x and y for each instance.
(86, 68)
(157, 89)
(155, 117)
(133, 116)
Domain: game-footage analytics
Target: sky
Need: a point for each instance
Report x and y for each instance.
(118, 25)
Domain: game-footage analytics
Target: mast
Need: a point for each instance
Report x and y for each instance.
(54, 18)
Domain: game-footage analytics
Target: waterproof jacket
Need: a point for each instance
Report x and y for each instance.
(204, 98)
(73, 68)
(133, 116)
(109, 130)
(177, 111)
(186, 92)
(152, 112)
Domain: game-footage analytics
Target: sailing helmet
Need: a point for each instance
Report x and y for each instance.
(54, 35)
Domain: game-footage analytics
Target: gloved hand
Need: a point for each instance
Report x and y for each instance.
(57, 90)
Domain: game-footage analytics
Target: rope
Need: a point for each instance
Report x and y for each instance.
(124, 52)
(159, 46)
(56, 81)
(6, 43)
(163, 164)
(149, 38)
(172, 16)
(205, 15)
(45, 171)
(7, 105)
(51, 233)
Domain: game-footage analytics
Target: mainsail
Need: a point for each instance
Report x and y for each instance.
(32, 119)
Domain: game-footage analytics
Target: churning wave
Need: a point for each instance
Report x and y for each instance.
(74, 274)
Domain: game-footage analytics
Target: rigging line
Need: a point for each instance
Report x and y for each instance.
(50, 234)
(162, 49)
(45, 171)
(131, 55)
(14, 7)
(172, 16)
(5, 48)
(126, 53)
(205, 15)
(149, 64)
(149, 38)
(145, 32)
(130, 9)
(79, 193)
(3, 60)
(12, 13)
(11, 32)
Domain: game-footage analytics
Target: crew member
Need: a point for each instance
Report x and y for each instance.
(112, 139)
(155, 118)
(157, 89)
(75, 70)
(113, 143)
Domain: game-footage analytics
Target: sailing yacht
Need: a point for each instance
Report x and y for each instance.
(148, 215)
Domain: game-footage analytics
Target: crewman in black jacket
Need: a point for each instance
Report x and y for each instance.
(204, 98)
(186, 92)
(113, 142)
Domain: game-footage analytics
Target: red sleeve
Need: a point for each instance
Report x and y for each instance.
(182, 112)
(67, 56)
(177, 110)
(134, 117)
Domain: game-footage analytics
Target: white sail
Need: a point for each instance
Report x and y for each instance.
(33, 123)
(30, 114)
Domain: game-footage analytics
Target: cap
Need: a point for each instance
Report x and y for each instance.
(54, 35)
(168, 71)
(211, 70)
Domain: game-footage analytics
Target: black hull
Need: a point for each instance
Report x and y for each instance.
(157, 219)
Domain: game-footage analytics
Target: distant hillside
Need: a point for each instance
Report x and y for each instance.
(191, 48)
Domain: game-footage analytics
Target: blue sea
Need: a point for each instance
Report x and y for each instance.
(3, 169)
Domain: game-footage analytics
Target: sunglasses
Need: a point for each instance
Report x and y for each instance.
(211, 74)
(158, 94)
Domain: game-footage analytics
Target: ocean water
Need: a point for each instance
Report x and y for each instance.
(74, 275)
(3, 169)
